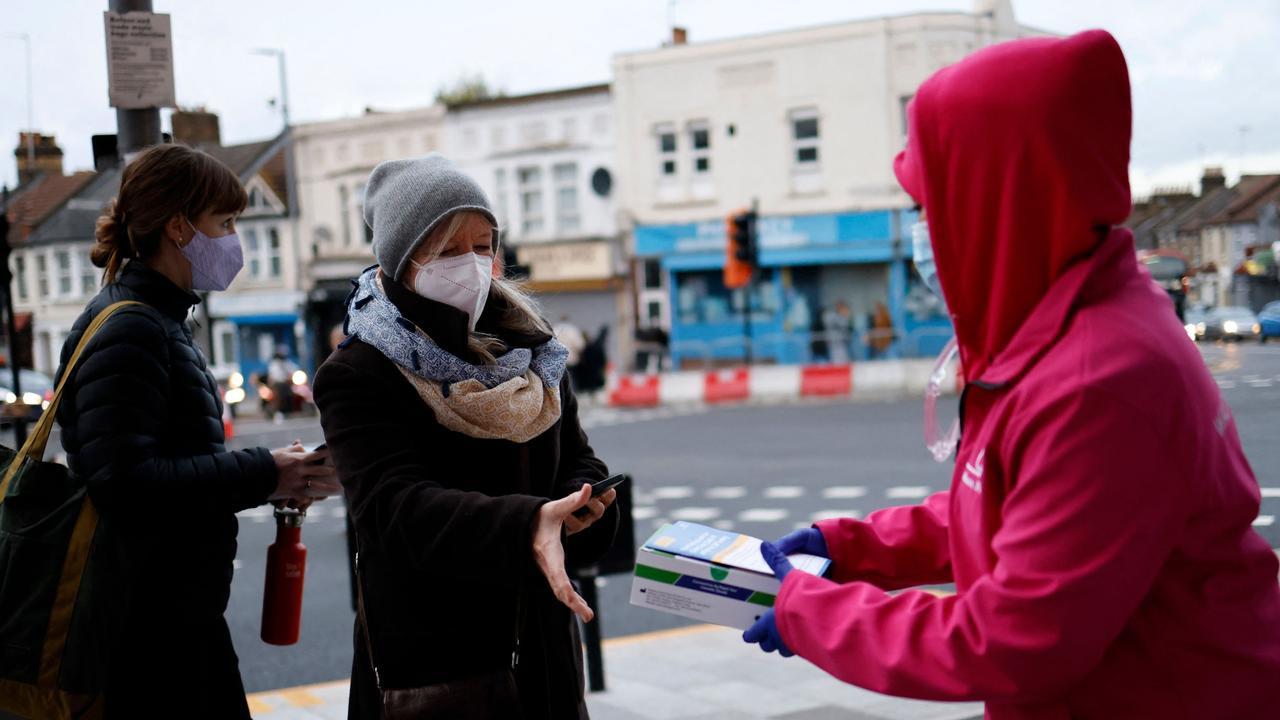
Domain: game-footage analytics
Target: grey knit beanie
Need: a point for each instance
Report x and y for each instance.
(406, 199)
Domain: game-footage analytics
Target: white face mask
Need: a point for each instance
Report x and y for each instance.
(462, 282)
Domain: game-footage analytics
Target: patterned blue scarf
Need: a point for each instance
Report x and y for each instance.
(375, 320)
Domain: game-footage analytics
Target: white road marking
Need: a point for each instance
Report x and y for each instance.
(844, 492)
(644, 512)
(762, 515)
(696, 514)
(659, 522)
(835, 515)
(673, 492)
(784, 492)
(904, 492)
(1264, 520)
(236, 564)
(723, 524)
(1226, 384)
(726, 492)
(1271, 492)
(1260, 383)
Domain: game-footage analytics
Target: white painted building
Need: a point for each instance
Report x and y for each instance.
(807, 123)
(333, 160)
(546, 162)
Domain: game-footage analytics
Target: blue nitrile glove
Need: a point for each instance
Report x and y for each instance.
(808, 540)
(776, 560)
(765, 632)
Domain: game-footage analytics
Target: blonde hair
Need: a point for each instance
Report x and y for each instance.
(521, 313)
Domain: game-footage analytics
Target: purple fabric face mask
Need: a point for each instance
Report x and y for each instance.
(215, 262)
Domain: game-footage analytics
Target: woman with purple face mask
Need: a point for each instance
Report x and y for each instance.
(142, 423)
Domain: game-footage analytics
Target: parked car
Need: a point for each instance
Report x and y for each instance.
(1231, 323)
(1269, 319)
(1194, 319)
(37, 391)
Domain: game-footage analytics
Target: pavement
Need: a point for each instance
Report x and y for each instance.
(696, 673)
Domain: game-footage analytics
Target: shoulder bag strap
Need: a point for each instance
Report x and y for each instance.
(39, 437)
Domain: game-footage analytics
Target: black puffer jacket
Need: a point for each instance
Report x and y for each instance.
(142, 423)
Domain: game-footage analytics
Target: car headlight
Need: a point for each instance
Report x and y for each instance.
(236, 380)
(10, 398)
(1230, 326)
(30, 398)
(1199, 328)
(44, 405)
(1257, 328)
(234, 395)
(1191, 330)
(299, 378)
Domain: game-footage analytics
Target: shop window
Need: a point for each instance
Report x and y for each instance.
(704, 300)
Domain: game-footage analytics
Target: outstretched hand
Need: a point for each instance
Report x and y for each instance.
(548, 551)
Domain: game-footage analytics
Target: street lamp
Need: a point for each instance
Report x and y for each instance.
(31, 125)
(290, 164)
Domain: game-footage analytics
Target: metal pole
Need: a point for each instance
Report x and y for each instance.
(595, 653)
(31, 123)
(290, 174)
(751, 279)
(136, 129)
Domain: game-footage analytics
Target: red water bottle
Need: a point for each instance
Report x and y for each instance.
(286, 568)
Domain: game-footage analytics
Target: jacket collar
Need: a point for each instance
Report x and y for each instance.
(1106, 268)
(449, 326)
(158, 291)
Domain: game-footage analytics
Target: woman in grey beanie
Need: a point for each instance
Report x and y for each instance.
(455, 431)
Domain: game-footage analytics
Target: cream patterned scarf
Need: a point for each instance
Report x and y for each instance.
(516, 399)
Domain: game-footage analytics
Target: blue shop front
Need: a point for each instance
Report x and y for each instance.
(831, 288)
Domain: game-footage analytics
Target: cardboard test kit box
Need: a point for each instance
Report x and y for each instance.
(713, 576)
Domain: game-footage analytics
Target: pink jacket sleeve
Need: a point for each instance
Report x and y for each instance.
(1095, 509)
(893, 548)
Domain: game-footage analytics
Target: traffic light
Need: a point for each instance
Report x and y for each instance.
(742, 251)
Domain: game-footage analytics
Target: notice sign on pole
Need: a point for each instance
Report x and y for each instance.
(139, 60)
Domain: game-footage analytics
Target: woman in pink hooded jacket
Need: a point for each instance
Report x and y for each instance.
(1099, 523)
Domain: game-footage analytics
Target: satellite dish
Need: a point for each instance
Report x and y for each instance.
(601, 182)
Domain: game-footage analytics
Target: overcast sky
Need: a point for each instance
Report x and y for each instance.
(1201, 71)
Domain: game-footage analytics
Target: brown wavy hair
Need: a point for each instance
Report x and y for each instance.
(162, 181)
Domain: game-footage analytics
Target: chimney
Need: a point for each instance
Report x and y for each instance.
(679, 36)
(196, 127)
(48, 156)
(1212, 179)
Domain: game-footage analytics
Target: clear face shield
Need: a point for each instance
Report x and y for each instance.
(941, 443)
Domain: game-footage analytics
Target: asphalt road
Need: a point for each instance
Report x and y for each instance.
(762, 470)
